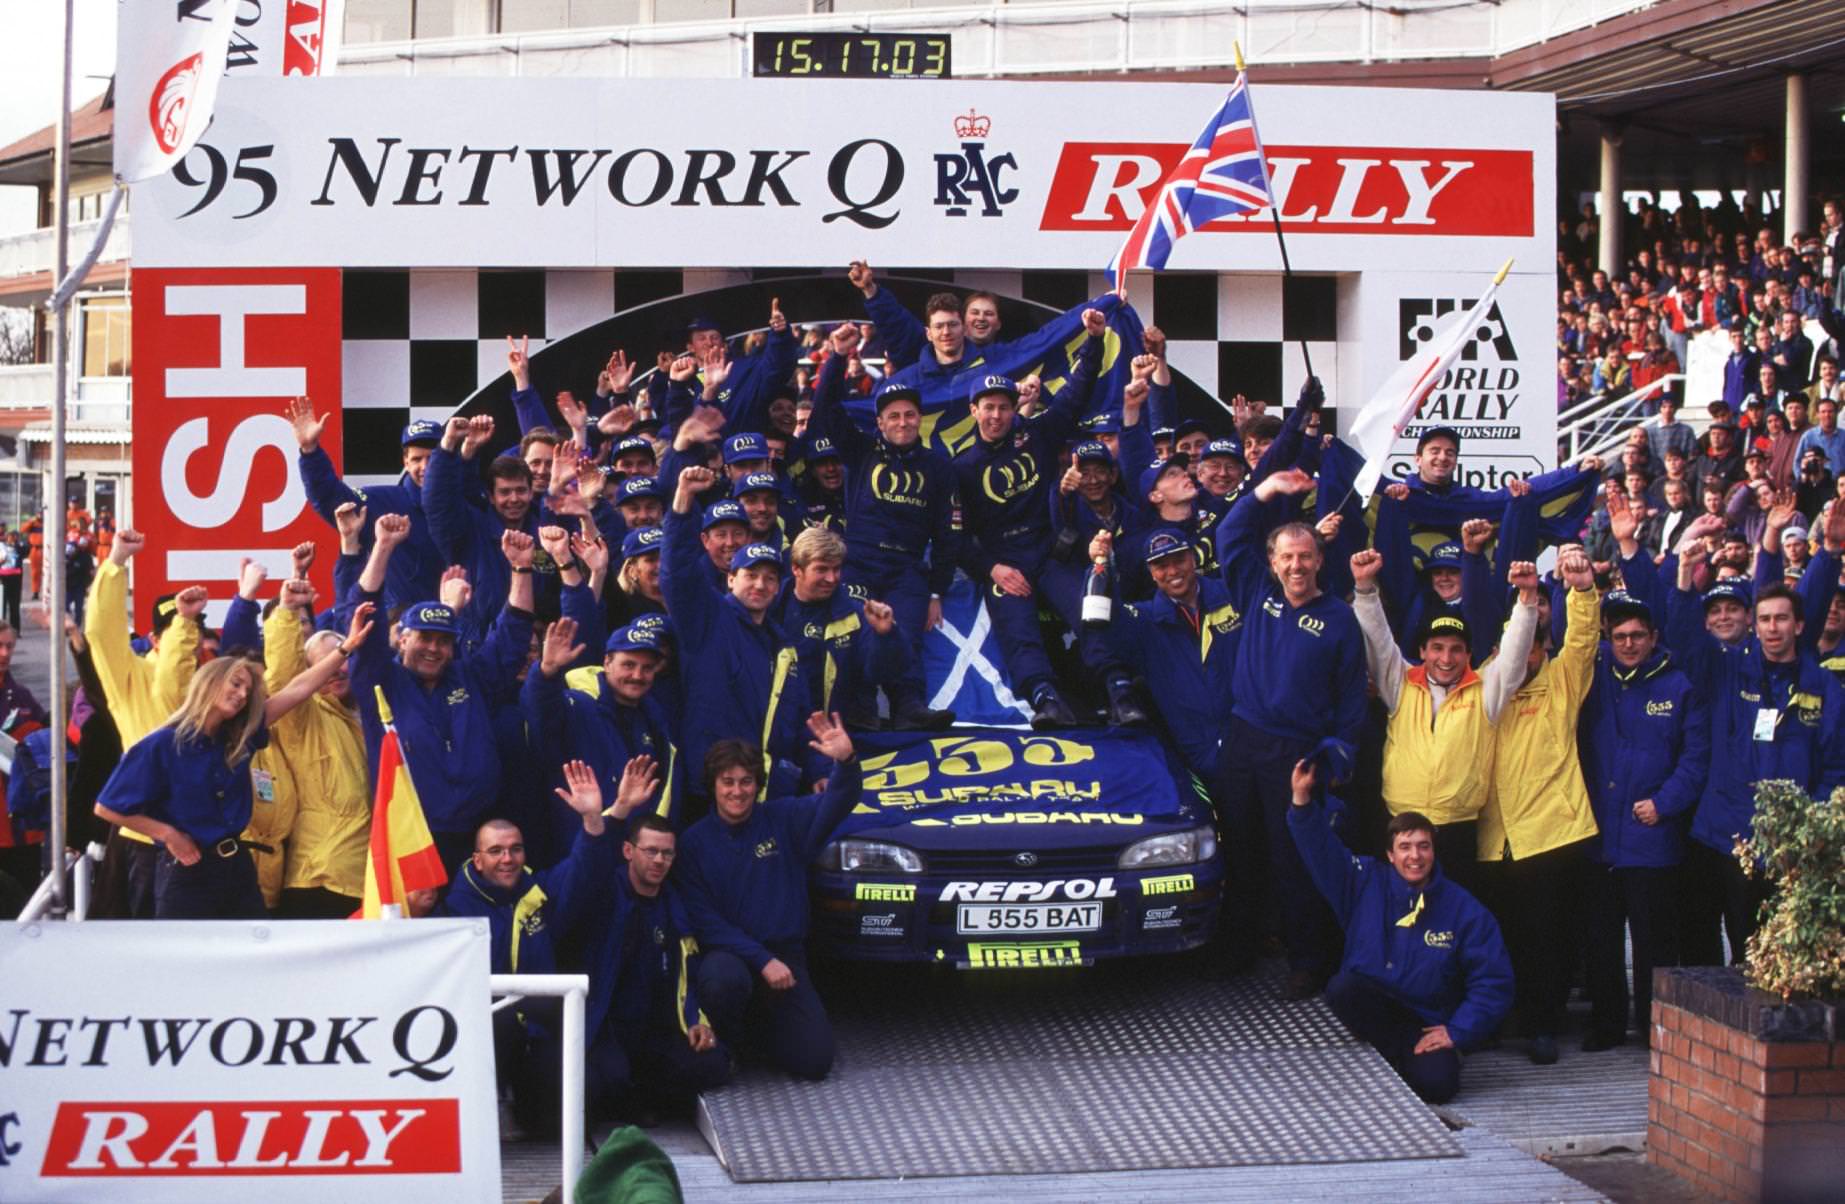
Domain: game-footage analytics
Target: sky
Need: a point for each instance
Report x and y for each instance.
(29, 63)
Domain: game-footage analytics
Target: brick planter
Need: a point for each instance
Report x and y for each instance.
(1746, 1099)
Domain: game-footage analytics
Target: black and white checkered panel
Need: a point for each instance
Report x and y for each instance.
(418, 344)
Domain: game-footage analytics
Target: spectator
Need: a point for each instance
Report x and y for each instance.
(1825, 437)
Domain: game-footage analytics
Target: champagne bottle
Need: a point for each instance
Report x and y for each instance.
(1098, 592)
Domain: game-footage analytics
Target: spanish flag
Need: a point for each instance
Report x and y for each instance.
(400, 834)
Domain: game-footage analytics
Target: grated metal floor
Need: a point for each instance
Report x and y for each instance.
(1585, 1104)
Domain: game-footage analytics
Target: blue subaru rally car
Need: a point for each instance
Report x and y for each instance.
(992, 848)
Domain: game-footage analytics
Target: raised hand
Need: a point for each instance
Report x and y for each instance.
(778, 321)
(843, 339)
(880, 617)
(560, 649)
(454, 434)
(717, 370)
(1365, 567)
(250, 577)
(1623, 519)
(303, 556)
(307, 424)
(1072, 477)
(1518, 487)
(682, 369)
(1142, 367)
(1135, 394)
(391, 530)
(638, 779)
(1289, 481)
(829, 736)
(592, 552)
(519, 549)
(1476, 533)
(360, 627)
(454, 591)
(617, 422)
(1781, 513)
(298, 593)
(128, 542)
(1523, 576)
(618, 371)
(862, 277)
(519, 361)
(1328, 528)
(581, 791)
(556, 543)
(1101, 546)
(190, 602)
(1154, 339)
(697, 478)
(592, 479)
(565, 461)
(480, 430)
(1574, 569)
(1095, 323)
(574, 413)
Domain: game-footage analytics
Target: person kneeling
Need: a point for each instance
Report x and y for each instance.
(1425, 972)
(744, 872)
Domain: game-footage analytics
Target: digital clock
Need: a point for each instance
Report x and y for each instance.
(841, 55)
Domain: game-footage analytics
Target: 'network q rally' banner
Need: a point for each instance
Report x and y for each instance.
(1410, 200)
(281, 1062)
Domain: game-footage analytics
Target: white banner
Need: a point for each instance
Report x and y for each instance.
(586, 172)
(285, 37)
(169, 58)
(211, 1061)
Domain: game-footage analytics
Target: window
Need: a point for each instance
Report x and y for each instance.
(377, 20)
(105, 336)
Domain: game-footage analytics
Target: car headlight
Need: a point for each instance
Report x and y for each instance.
(870, 857)
(1174, 848)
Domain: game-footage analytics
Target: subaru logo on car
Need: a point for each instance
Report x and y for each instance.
(1025, 859)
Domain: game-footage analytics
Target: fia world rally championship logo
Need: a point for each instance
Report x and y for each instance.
(1477, 394)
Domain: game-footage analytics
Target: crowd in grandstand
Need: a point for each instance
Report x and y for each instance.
(625, 655)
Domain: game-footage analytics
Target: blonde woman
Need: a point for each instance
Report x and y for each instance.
(187, 786)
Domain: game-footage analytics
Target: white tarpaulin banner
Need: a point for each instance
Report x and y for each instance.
(211, 1061)
(169, 59)
(285, 37)
(586, 172)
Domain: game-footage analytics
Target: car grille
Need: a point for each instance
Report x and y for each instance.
(1090, 859)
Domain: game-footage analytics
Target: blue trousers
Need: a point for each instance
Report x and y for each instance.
(1021, 639)
(904, 587)
(213, 888)
(1394, 1029)
(1254, 778)
(788, 1029)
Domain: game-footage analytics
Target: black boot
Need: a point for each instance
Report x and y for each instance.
(1123, 710)
(1050, 710)
(915, 716)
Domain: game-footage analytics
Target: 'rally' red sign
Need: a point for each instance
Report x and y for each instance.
(1319, 189)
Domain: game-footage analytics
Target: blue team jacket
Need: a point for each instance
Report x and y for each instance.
(605, 733)
(415, 571)
(900, 502)
(1187, 666)
(1449, 964)
(841, 658)
(527, 924)
(742, 679)
(746, 884)
(639, 954)
(1645, 733)
(447, 732)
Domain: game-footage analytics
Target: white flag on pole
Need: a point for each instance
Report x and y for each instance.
(169, 59)
(1390, 409)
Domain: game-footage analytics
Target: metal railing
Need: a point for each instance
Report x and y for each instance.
(1599, 425)
(77, 864)
(1000, 39)
(34, 250)
(574, 989)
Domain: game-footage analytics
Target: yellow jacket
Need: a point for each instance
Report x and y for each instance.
(1538, 800)
(276, 812)
(324, 746)
(142, 692)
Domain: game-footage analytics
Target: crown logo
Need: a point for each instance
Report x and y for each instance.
(973, 125)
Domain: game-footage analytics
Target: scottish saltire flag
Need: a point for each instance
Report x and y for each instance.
(1222, 175)
(964, 667)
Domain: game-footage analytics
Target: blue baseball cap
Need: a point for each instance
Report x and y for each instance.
(822, 449)
(640, 541)
(994, 383)
(638, 487)
(890, 393)
(634, 638)
(1445, 556)
(1092, 453)
(1735, 589)
(726, 511)
(1191, 426)
(423, 430)
(746, 446)
(634, 443)
(754, 554)
(702, 323)
(430, 616)
(1150, 476)
(1167, 542)
(654, 621)
(1619, 606)
(1108, 422)
(1222, 447)
(759, 482)
(1163, 432)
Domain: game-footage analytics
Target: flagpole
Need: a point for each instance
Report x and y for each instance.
(54, 531)
(1274, 205)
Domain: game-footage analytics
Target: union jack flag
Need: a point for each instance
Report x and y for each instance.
(1221, 175)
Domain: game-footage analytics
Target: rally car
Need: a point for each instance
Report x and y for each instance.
(991, 848)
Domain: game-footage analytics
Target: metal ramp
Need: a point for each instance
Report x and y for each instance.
(1121, 1067)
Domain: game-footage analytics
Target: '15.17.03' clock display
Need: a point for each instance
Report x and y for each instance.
(852, 55)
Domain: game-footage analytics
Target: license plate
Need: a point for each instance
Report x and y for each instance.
(1030, 917)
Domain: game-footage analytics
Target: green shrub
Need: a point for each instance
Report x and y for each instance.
(1799, 949)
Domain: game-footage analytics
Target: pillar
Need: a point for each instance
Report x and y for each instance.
(1794, 186)
(1613, 213)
